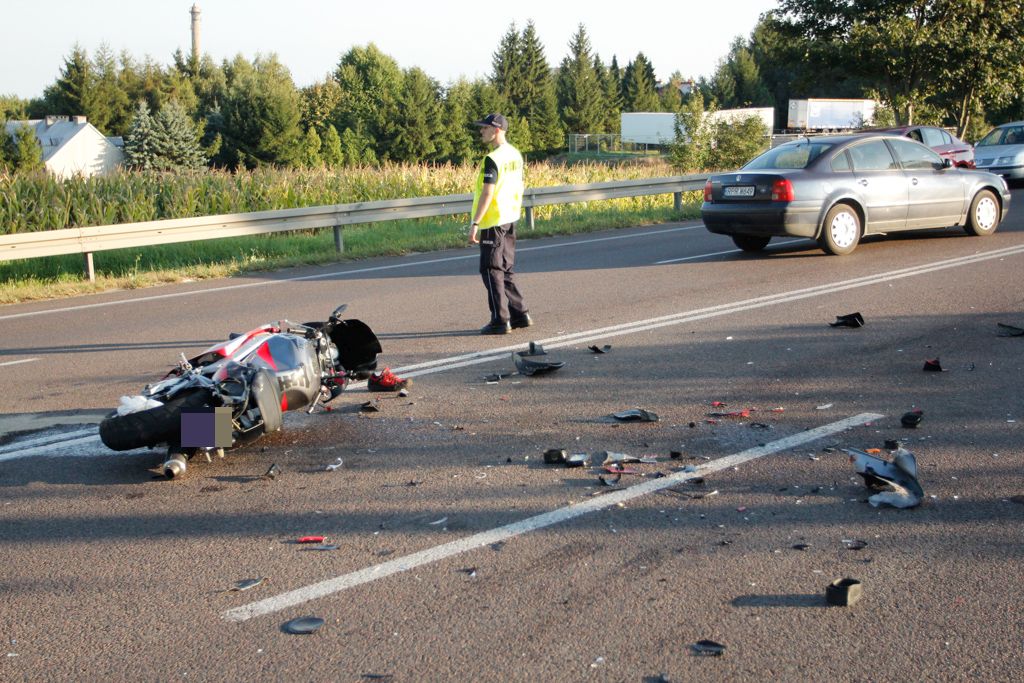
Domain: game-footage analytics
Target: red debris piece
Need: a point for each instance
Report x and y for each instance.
(620, 470)
(736, 413)
(311, 539)
(718, 404)
(741, 508)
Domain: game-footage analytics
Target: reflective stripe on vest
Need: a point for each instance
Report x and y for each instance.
(507, 203)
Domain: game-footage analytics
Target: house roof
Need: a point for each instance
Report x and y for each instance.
(53, 136)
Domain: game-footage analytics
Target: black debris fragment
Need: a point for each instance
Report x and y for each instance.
(273, 471)
(497, 377)
(246, 584)
(636, 415)
(933, 365)
(707, 648)
(843, 592)
(369, 407)
(801, 546)
(555, 456)
(849, 320)
(577, 460)
(302, 625)
(912, 419)
(897, 479)
(675, 455)
(529, 366)
(601, 349)
(1010, 330)
(609, 481)
(468, 571)
(855, 544)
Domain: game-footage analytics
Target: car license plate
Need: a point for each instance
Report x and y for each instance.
(738, 191)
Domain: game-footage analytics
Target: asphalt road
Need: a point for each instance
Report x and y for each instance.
(461, 556)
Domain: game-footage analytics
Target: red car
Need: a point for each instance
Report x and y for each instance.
(948, 146)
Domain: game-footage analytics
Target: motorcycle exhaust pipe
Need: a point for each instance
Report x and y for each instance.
(175, 466)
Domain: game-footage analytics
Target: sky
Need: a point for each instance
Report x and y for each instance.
(445, 39)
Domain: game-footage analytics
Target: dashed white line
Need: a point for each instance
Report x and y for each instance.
(345, 581)
(17, 362)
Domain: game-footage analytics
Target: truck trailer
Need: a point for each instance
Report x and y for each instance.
(826, 114)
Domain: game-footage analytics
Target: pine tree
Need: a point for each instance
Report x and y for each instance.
(459, 139)
(370, 83)
(357, 148)
(107, 105)
(507, 71)
(176, 145)
(539, 102)
(26, 154)
(330, 150)
(415, 127)
(639, 93)
(261, 115)
(138, 144)
(601, 73)
(69, 96)
(579, 93)
(612, 87)
(309, 154)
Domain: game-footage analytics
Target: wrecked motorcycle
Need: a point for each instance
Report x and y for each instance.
(256, 376)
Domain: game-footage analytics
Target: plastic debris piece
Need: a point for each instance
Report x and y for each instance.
(302, 625)
(246, 584)
(273, 471)
(555, 456)
(609, 481)
(529, 366)
(911, 419)
(369, 407)
(601, 349)
(619, 469)
(718, 404)
(933, 365)
(468, 571)
(734, 413)
(707, 648)
(636, 415)
(323, 547)
(854, 544)
(577, 460)
(899, 478)
(848, 320)
(496, 377)
(440, 521)
(536, 349)
(893, 444)
(843, 592)
(1010, 330)
(690, 468)
(403, 393)
(611, 457)
(334, 465)
(675, 455)
(311, 539)
(656, 475)
(824, 406)
(801, 546)
(698, 496)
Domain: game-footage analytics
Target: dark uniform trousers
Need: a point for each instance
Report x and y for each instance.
(497, 261)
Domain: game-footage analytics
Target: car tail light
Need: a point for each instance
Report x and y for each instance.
(782, 191)
(707, 191)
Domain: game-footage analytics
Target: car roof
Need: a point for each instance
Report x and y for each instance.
(1011, 123)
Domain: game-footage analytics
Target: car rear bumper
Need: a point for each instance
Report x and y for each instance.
(759, 218)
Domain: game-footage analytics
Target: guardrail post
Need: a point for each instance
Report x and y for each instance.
(90, 270)
(529, 217)
(677, 201)
(339, 242)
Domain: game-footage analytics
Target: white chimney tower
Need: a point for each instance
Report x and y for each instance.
(195, 32)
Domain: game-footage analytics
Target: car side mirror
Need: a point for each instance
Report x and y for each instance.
(947, 163)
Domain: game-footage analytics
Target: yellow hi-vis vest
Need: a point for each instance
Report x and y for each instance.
(507, 202)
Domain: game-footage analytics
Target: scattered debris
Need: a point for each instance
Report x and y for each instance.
(404, 393)
(636, 415)
(311, 539)
(323, 547)
(843, 592)
(246, 584)
(933, 365)
(898, 478)
(609, 481)
(1010, 330)
(735, 413)
(619, 469)
(334, 465)
(303, 625)
(370, 407)
(1017, 499)
(555, 456)
(698, 496)
(855, 544)
(601, 349)
(707, 648)
(497, 546)
(529, 367)
(848, 320)
(497, 377)
(675, 455)
(440, 521)
(272, 472)
(801, 546)
(911, 420)
(824, 406)
(468, 571)
(611, 458)
(577, 460)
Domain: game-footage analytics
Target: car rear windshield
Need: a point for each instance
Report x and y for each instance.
(1010, 135)
(790, 155)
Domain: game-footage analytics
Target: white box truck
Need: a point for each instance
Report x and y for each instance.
(826, 114)
(652, 128)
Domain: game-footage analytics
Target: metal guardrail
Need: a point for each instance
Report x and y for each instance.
(88, 240)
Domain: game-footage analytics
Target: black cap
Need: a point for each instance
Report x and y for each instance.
(496, 120)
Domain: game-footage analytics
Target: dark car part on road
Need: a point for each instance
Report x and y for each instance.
(1010, 330)
(256, 376)
(897, 479)
(933, 365)
(636, 415)
(911, 419)
(577, 460)
(708, 648)
(838, 189)
(272, 471)
(246, 584)
(601, 349)
(530, 367)
(555, 456)
(848, 320)
(302, 625)
(843, 592)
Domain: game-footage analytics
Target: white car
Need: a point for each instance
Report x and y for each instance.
(1001, 151)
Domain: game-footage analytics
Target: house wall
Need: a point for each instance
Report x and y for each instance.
(88, 153)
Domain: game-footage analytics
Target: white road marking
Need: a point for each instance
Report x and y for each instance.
(47, 439)
(16, 362)
(57, 449)
(338, 273)
(430, 555)
(716, 253)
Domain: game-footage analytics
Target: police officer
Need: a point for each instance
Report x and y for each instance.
(497, 203)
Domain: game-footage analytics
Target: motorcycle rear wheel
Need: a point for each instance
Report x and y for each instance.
(148, 428)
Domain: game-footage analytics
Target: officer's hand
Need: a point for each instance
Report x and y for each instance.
(472, 235)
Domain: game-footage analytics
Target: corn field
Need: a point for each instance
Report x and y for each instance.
(36, 202)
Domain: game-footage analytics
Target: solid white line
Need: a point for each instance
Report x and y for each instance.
(430, 555)
(49, 439)
(54, 449)
(337, 273)
(16, 362)
(716, 253)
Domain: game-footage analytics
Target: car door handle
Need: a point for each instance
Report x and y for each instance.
(914, 181)
(864, 182)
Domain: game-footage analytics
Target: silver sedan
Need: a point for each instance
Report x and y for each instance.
(836, 189)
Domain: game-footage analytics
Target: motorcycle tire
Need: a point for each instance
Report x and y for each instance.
(267, 396)
(148, 428)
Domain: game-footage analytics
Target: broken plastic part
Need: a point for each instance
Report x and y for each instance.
(369, 407)
(708, 648)
(554, 456)
(468, 571)
(334, 465)
(843, 592)
(529, 367)
(636, 415)
(801, 546)
(911, 419)
(609, 481)
(536, 350)
(601, 349)
(273, 472)
(932, 365)
(1010, 330)
(496, 377)
(311, 539)
(302, 625)
(246, 584)
(734, 413)
(855, 544)
(610, 457)
(577, 460)
(848, 320)
(675, 455)
(900, 476)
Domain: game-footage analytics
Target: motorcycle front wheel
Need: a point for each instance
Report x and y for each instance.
(148, 428)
